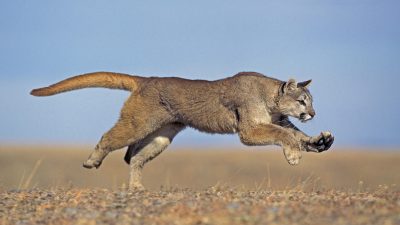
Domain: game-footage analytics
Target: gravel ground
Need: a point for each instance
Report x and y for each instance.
(209, 206)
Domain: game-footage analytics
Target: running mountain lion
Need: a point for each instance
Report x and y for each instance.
(254, 106)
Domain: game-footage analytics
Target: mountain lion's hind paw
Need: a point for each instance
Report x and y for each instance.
(89, 164)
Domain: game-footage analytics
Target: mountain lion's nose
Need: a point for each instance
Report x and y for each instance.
(312, 113)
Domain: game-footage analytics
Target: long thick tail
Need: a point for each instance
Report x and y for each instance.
(89, 80)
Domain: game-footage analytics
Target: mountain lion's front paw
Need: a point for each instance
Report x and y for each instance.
(293, 156)
(321, 142)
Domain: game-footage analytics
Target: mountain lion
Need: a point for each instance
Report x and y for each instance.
(255, 106)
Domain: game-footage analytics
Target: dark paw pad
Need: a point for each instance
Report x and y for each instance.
(321, 143)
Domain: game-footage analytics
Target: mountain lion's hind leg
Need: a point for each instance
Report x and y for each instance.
(122, 134)
(147, 149)
(136, 122)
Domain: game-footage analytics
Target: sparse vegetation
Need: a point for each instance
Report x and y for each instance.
(200, 187)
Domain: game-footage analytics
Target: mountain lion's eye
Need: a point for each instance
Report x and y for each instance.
(302, 102)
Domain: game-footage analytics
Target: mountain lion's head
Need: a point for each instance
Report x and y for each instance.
(296, 100)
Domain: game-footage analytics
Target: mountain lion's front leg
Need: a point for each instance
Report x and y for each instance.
(319, 143)
(270, 134)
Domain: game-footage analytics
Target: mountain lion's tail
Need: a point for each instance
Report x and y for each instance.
(99, 79)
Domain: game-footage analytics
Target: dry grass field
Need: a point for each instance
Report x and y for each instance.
(48, 185)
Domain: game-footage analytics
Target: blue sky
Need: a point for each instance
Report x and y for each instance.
(351, 49)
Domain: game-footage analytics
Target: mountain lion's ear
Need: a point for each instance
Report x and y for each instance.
(304, 84)
(291, 85)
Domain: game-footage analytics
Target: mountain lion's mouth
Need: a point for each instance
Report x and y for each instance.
(304, 117)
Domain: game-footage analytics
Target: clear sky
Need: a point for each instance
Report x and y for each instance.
(351, 49)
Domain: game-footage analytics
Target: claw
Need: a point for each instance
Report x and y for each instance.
(310, 148)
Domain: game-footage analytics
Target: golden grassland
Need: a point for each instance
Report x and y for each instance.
(249, 168)
(48, 185)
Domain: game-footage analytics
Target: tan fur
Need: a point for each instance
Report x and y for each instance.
(250, 104)
(99, 79)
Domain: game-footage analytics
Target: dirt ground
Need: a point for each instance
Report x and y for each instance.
(47, 185)
(210, 206)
